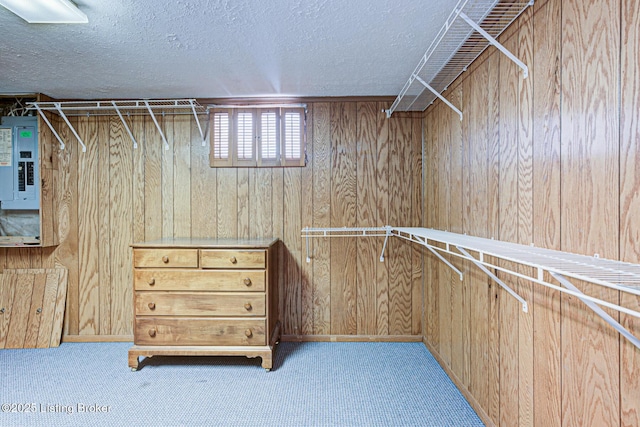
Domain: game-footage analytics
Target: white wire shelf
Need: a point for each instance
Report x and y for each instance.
(121, 108)
(470, 29)
(487, 254)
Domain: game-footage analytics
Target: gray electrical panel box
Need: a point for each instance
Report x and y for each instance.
(19, 171)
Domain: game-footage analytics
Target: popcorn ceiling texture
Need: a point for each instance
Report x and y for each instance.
(226, 48)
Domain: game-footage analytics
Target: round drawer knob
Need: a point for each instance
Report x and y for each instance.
(233, 260)
(248, 333)
(247, 306)
(165, 259)
(152, 306)
(152, 281)
(247, 281)
(152, 332)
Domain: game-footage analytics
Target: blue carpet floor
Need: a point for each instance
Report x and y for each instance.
(312, 384)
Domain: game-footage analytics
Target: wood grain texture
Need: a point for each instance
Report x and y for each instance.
(227, 203)
(168, 164)
(368, 123)
(321, 255)
(88, 243)
(382, 218)
(292, 254)
(630, 204)
(204, 200)
(243, 202)
(417, 220)
(343, 214)
(306, 206)
(399, 257)
(153, 177)
(547, 386)
(104, 225)
(182, 175)
(120, 215)
(590, 205)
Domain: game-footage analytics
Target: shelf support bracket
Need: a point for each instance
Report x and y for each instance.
(436, 93)
(307, 238)
(525, 307)
(599, 311)
(153, 116)
(115, 106)
(384, 245)
(64, 117)
(496, 43)
(195, 114)
(46, 120)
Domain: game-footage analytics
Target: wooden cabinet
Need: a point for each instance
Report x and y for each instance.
(196, 297)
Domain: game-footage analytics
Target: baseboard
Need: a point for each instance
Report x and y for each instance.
(463, 389)
(97, 338)
(352, 338)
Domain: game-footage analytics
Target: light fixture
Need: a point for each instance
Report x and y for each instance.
(46, 11)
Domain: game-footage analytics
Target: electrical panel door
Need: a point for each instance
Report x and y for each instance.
(19, 180)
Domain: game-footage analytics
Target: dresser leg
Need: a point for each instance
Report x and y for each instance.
(267, 361)
(134, 359)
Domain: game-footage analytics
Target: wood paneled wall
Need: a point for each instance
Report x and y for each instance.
(363, 169)
(550, 160)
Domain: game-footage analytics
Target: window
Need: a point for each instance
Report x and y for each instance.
(262, 137)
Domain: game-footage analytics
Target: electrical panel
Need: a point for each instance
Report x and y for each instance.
(19, 180)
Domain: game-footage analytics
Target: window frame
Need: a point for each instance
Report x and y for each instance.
(257, 160)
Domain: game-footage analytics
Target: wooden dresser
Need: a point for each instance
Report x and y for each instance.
(205, 297)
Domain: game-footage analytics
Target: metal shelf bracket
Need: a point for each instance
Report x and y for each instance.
(496, 43)
(437, 94)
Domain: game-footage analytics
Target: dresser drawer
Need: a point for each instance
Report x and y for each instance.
(165, 258)
(199, 280)
(198, 331)
(222, 258)
(199, 304)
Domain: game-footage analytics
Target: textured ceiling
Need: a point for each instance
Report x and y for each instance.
(225, 48)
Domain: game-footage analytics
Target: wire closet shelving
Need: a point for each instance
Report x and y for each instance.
(473, 26)
(562, 266)
(120, 108)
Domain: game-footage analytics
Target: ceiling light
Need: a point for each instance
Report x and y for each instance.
(46, 11)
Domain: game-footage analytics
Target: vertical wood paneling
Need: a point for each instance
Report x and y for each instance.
(137, 128)
(322, 217)
(306, 206)
(67, 251)
(227, 203)
(630, 204)
(343, 214)
(590, 205)
(417, 220)
(121, 161)
(182, 176)
(104, 218)
(168, 155)
(525, 218)
(368, 123)
(382, 216)
(293, 247)
(88, 243)
(399, 211)
(243, 203)
(546, 202)
(204, 197)
(153, 181)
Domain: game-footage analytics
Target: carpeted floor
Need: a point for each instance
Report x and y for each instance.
(312, 384)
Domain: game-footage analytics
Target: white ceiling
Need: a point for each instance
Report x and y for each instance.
(224, 48)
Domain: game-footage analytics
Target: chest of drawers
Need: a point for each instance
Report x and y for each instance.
(197, 297)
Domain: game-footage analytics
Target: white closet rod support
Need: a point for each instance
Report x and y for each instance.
(436, 93)
(495, 278)
(64, 117)
(46, 120)
(600, 312)
(115, 106)
(496, 43)
(153, 116)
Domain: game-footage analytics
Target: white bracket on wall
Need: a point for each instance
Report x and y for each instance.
(617, 275)
(472, 27)
(121, 108)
